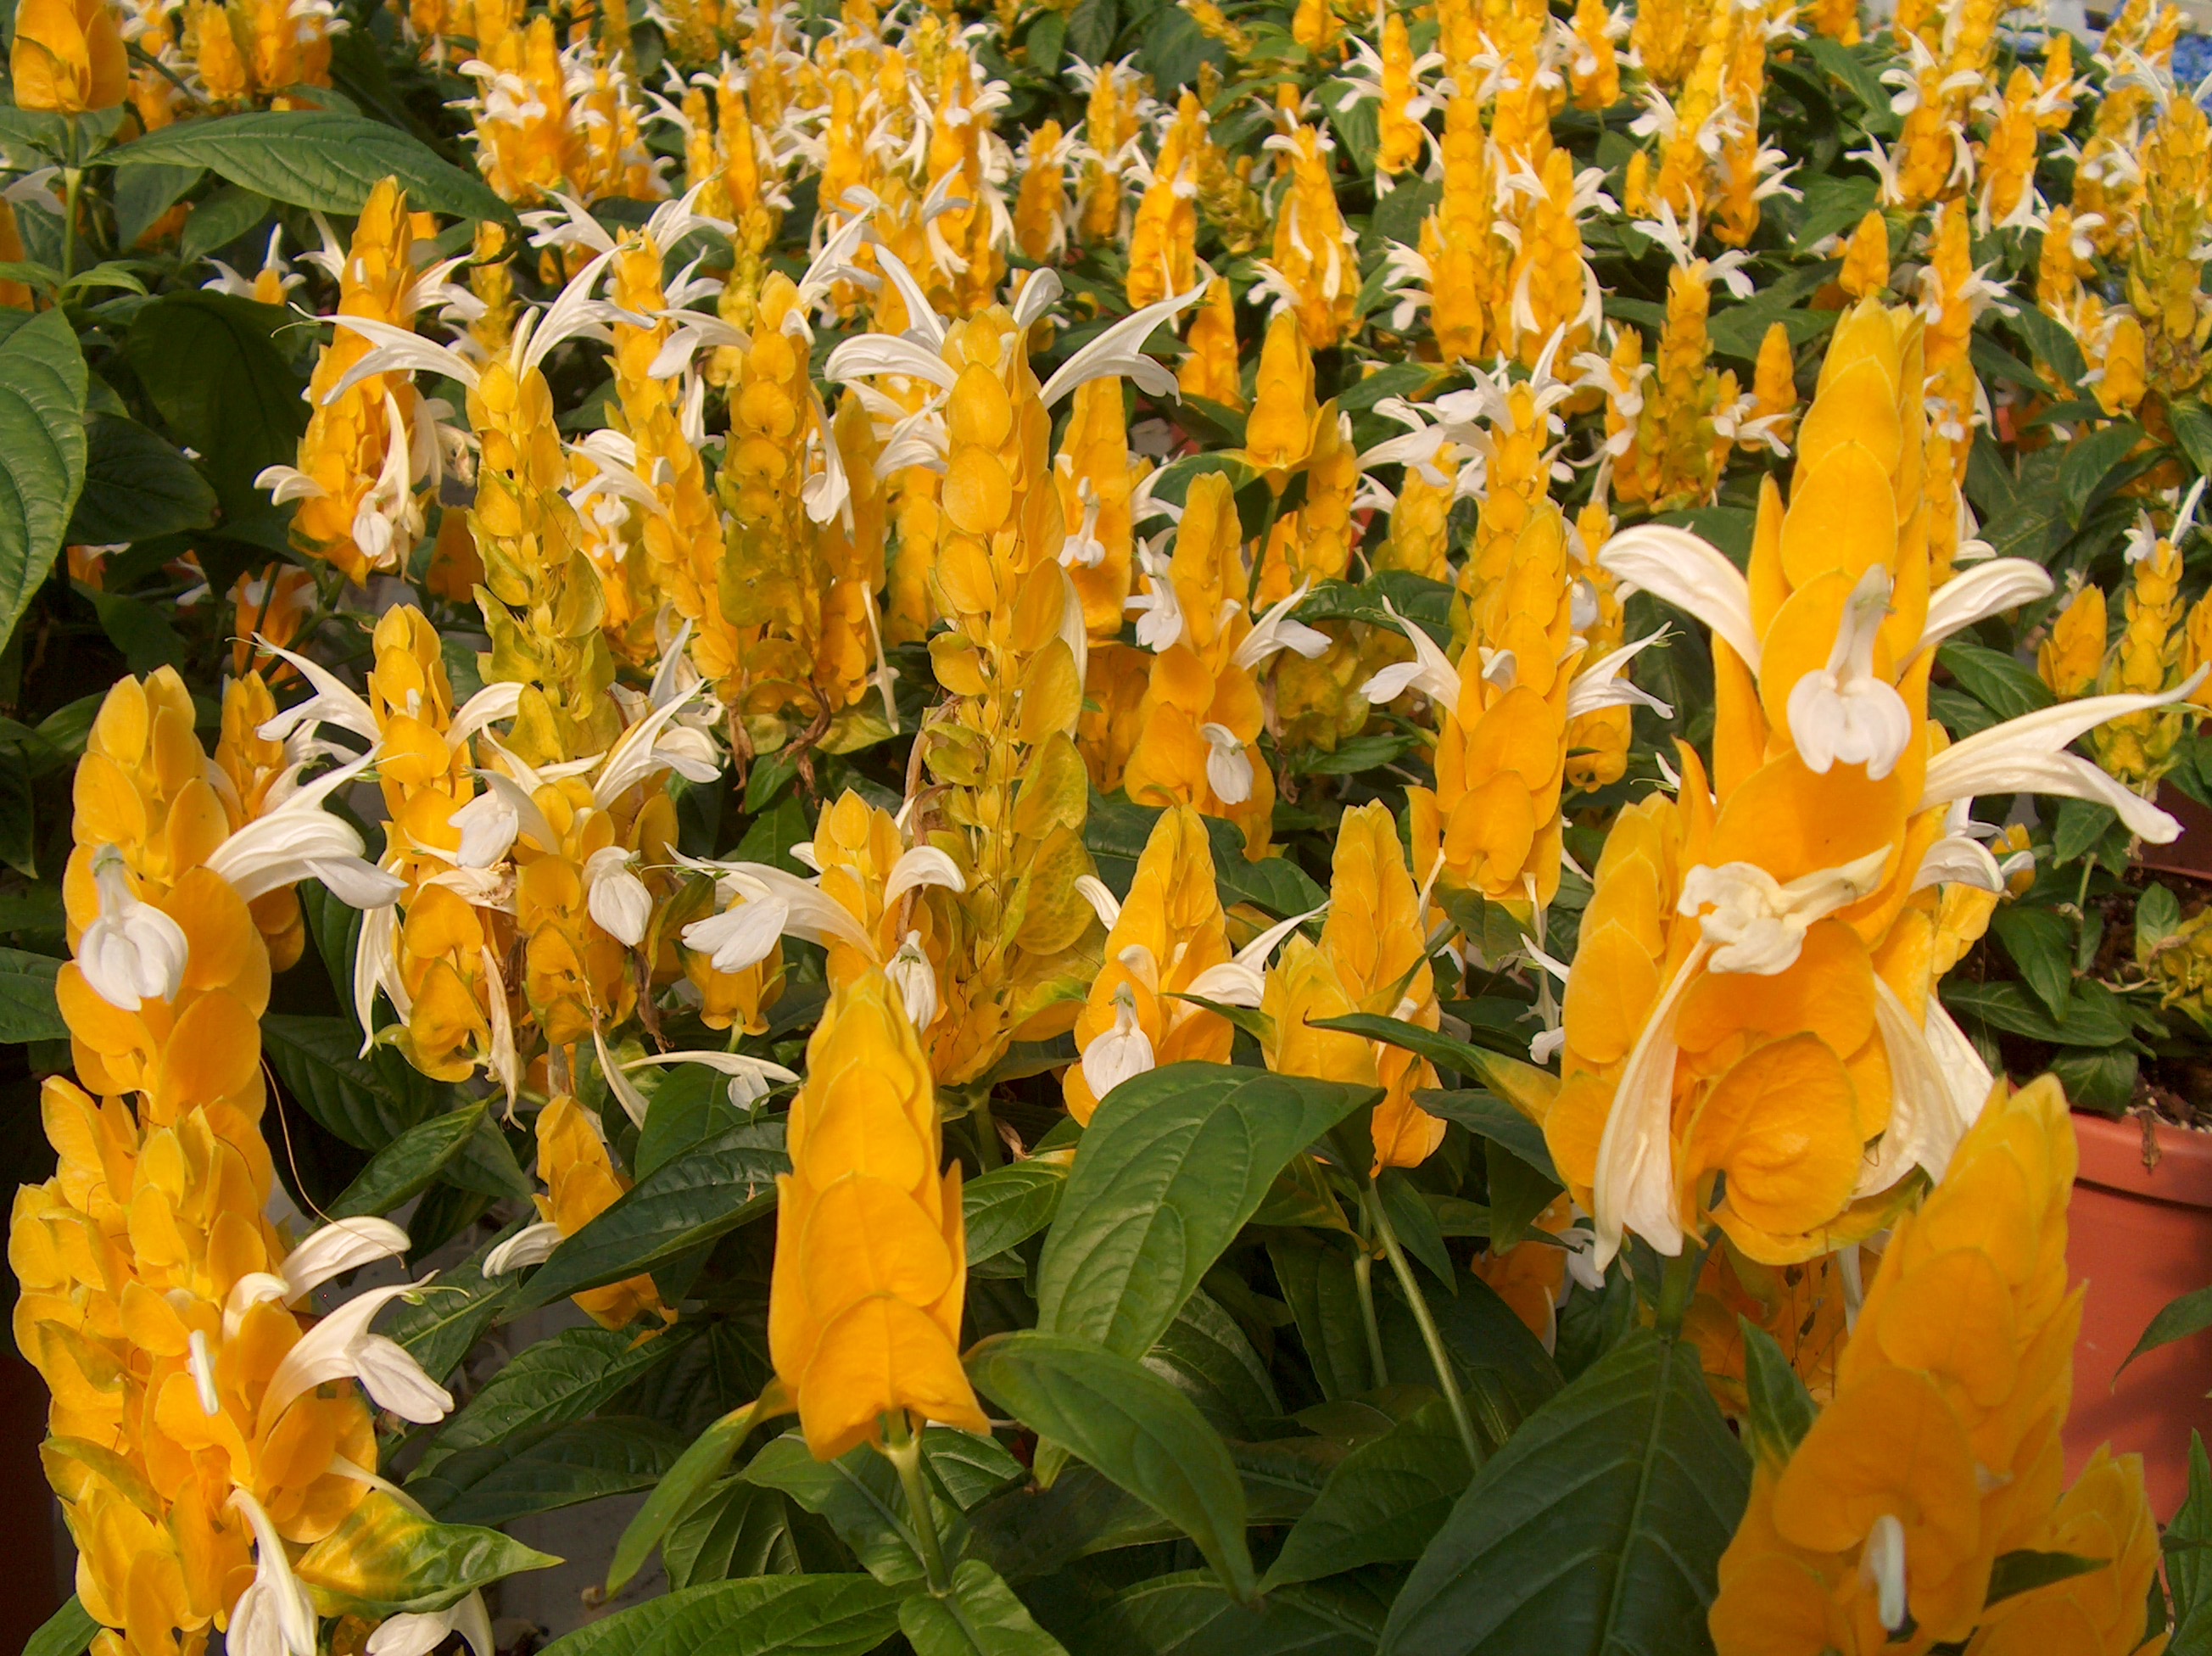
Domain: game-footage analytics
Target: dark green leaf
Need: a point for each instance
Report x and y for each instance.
(2190, 1314)
(537, 1471)
(2083, 826)
(858, 1493)
(2092, 463)
(980, 1617)
(137, 487)
(689, 1104)
(1317, 1282)
(2090, 1020)
(764, 1616)
(1008, 1205)
(1381, 1504)
(2005, 686)
(1781, 1411)
(1487, 1337)
(409, 1163)
(450, 1314)
(368, 1102)
(1489, 1116)
(227, 215)
(210, 362)
(67, 1632)
(2188, 1556)
(144, 193)
(1598, 1527)
(2055, 347)
(2041, 944)
(42, 451)
(2099, 1079)
(704, 1193)
(1188, 1614)
(1173, 1164)
(565, 1377)
(141, 631)
(315, 159)
(28, 1011)
(1114, 1415)
(1415, 1224)
(2023, 1571)
(18, 814)
(1205, 1356)
(1518, 1196)
(735, 1529)
(706, 1460)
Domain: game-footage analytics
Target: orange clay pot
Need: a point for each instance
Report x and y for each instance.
(2140, 1238)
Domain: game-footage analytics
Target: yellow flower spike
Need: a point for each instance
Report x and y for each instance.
(1459, 247)
(1163, 235)
(2139, 748)
(2165, 262)
(349, 514)
(1399, 138)
(2106, 1515)
(1279, 432)
(2118, 361)
(1866, 257)
(1040, 207)
(864, 1307)
(1212, 369)
(1314, 269)
(1950, 286)
(1171, 931)
(582, 1183)
(1597, 742)
(2008, 165)
(1595, 72)
(1552, 283)
(1095, 477)
(1109, 123)
(68, 56)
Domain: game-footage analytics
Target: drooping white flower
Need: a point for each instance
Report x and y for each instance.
(417, 1633)
(1882, 1565)
(1115, 1055)
(533, 1245)
(1274, 630)
(1431, 671)
(1844, 713)
(274, 1616)
(1240, 980)
(917, 982)
(132, 953)
(1228, 767)
(330, 1250)
(1755, 923)
(615, 896)
(340, 1346)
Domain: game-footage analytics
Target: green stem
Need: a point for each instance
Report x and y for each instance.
(1363, 1275)
(987, 1150)
(1678, 1285)
(1447, 1380)
(904, 1450)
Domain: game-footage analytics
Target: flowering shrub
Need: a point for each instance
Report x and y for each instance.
(1239, 827)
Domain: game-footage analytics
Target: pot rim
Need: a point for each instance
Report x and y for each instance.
(2112, 1160)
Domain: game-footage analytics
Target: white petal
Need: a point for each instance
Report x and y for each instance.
(533, 1245)
(337, 1247)
(738, 937)
(392, 1377)
(918, 866)
(1693, 574)
(1984, 590)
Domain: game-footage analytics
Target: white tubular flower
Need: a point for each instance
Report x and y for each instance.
(1240, 980)
(919, 866)
(1843, 712)
(1693, 574)
(917, 982)
(533, 1245)
(274, 1616)
(1274, 630)
(417, 1633)
(1881, 1566)
(1754, 923)
(739, 936)
(1228, 767)
(132, 953)
(617, 898)
(340, 1348)
(1115, 1055)
(1100, 896)
(1430, 671)
(299, 840)
(1159, 609)
(337, 1247)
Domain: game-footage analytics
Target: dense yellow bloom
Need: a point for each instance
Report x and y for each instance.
(870, 1267)
(582, 1183)
(1212, 369)
(1170, 931)
(2138, 748)
(1315, 267)
(68, 56)
(1940, 1451)
(1866, 257)
(2166, 261)
(1163, 235)
(1372, 958)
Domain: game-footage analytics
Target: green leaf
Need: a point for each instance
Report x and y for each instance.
(858, 1493)
(2041, 944)
(226, 215)
(1598, 1527)
(2192, 430)
(1115, 1415)
(2057, 349)
(439, 1328)
(1488, 1117)
(2090, 1020)
(386, 1558)
(210, 364)
(1781, 1411)
(2102, 1079)
(734, 1528)
(538, 1471)
(28, 1011)
(2189, 1565)
(1188, 1614)
(2190, 1314)
(688, 1104)
(980, 1617)
(326, 162)
(2093, 463)
(1173, 1164)
(704, 1193)
(764, 1615)
(706, 1460)
(2007, 687)
(409, 1163)
(2023, 1571)
(137, 487)
(1008, 1205)
(1518, 1196)
(144, 193)
(368, 1102)
(42, 451)
(1317, 1282)
(18, 814)
(1205, 1356)
(140, 630)
(1381, 1504)
(1854, 72)
(67, 1632)
(564, 1376)
(2158, 916)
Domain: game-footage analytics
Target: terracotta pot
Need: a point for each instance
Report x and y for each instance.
(2140, 1237)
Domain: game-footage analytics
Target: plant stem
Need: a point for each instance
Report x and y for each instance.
(1447, 1381)
(1677, 1286)
(904, 1450)
(987, 1151)
(1363, 1273)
